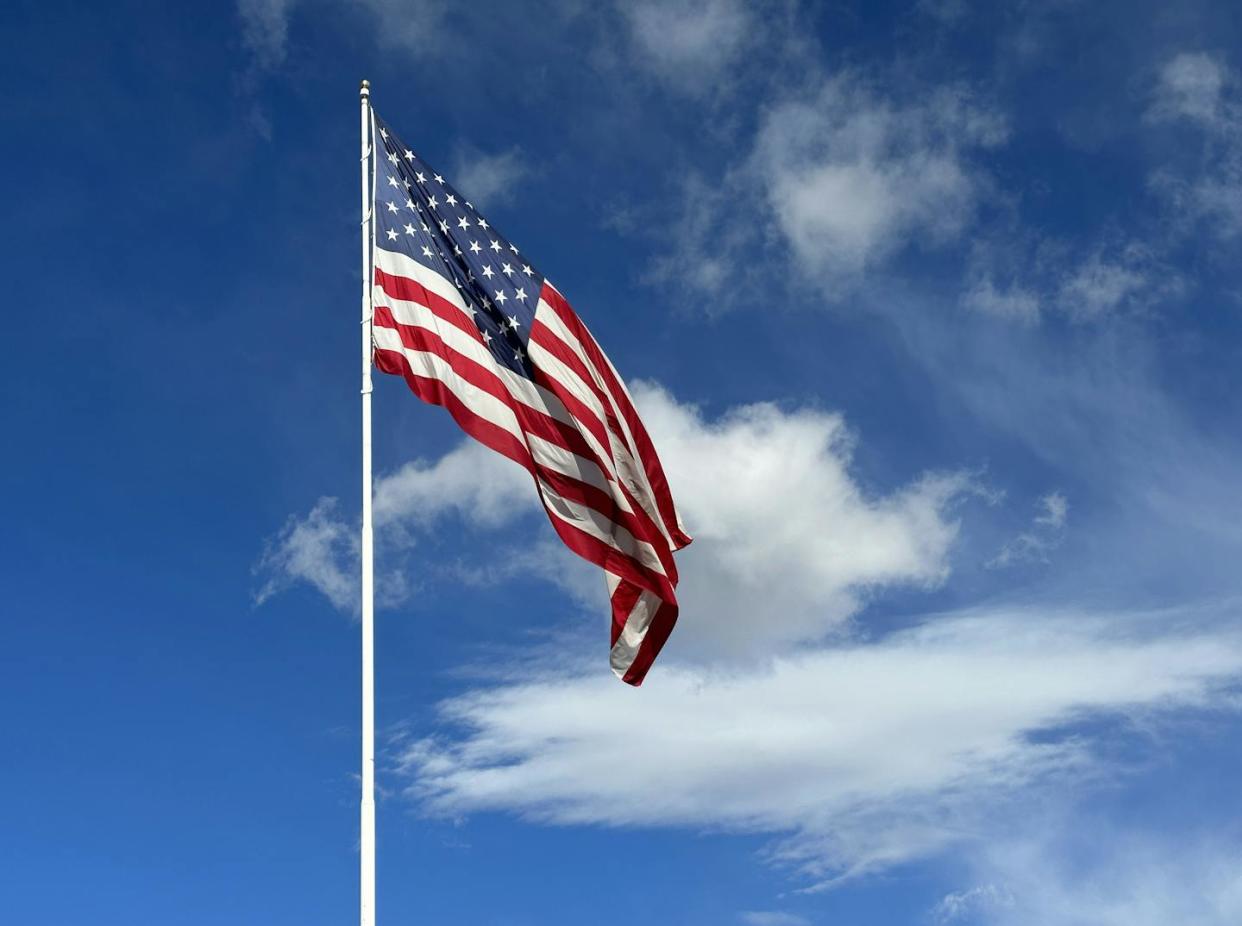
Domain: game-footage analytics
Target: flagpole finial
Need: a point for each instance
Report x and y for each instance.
(365, 89)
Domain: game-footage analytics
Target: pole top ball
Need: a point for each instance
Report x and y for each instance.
(365, 88)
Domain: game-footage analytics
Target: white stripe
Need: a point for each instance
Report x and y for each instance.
(402, 265)
(568, 463)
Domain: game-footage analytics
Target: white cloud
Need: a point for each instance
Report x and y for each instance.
(848, 177)
(410, 25)
(320, 549)
(772, 918)
(1014, 302)
(1114, 878)
(470, 481)
(862, 755)
(983, 899)
(1045, 534)
(1199, 89)
(316, 549)
(1102, 284)
(687, 40)
(489, 178)
(787, 544)
(1027, 275)
(1191, 86)
(853, 176)
(265, 28)
(782, 528)
(1055, 511)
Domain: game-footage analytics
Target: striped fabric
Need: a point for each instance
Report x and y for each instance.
(471, 326)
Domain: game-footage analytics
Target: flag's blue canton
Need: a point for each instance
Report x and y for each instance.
(418, 213)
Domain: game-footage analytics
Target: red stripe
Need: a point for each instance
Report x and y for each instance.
(623, 601)
(407, 290)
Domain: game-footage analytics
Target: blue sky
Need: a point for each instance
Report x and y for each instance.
(933, 311)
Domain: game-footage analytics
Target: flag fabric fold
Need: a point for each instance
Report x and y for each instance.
(472, 326)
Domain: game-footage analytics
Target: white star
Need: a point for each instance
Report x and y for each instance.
(469, 205)
(393, 158)
(392, 234)
(425, 228)
(488, 271)
(526, 269)
(444, 226)
(513, 249)
(487, 338)
(438, 179)
(518, 355)
(487, 303)
(521, 294)
(457, 250)
(482, 222)
(427, 252)
(495, 246)
(406, 184)
(474, 247)
(513, 323)
(501, 297)
(432, 202)
(507, 270)
(409, 155)
(409, 229)
(392, 182)
(451, 199)
(463, 223)
(409, 204)
(384, 134)
(420, 177)
(392, 207)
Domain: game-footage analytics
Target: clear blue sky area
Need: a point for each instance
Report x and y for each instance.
(934, 313)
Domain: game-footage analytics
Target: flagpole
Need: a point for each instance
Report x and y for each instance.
(366, 840)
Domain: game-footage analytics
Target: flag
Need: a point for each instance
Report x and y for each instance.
(472, 326)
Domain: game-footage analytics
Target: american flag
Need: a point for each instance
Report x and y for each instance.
(470, 323)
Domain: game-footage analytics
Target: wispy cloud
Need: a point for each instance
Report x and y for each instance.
(1115, 876)
(265, 29)
(982, 900)
(772, 918)
(1198, 90)
(490, 178)
(316, 549)
(1045, 533)
(863, 755)
(690, 41)
(846, 177)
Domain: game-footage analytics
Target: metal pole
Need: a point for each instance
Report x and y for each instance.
(366, 841)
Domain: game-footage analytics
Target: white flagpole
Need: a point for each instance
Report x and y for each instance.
(366, 841)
